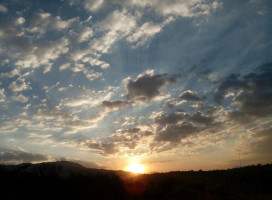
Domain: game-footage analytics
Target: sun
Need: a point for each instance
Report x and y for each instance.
(135, 167)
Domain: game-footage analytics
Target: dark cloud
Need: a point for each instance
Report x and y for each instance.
(189, 95)
(133, 130)
(165, 119)
(15, 157)
(265, 132)
(208, 75)
(259, 150)
(174, 133)
(178, 125)
(103, 148)
(231, 82)
(254, 94)
(116, 104)
(172, 118)
(199, 117)
(147, 86)
(128, 138)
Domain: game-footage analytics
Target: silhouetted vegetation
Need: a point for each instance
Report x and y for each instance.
(66, 180)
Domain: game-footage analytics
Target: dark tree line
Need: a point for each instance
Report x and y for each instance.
(55, 181)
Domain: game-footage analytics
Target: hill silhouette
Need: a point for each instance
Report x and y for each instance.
(69, 180)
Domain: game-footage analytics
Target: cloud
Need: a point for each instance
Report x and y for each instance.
(200, 118)
(189, 95)
(96, 62)
(133, 130)
(3, 8)
(47, 68)
(12, 73)
(76, 68)
(118, 22)
(254, 94)
(85, 34)
(2, 95)
(21, 41)
(180, 8)
(93, 5)
(86, 97)
(174, 133)
(116, 25)
(43, 53)
(21, 98)
(11, 34)
(231, 82)
(143, 33)
(43, 22)
(19, 85)
(116, 104)
(172, 103)
(183, 8)
(16, 157)
(56, 118)
(163, 8)
(147, 85)
(171, 128)
(77, 102)
(256, 149)
(103, 148)
(164, 119)
(128, 23)
(261, 149)
(264, 132)
(121, 142)
(208, 75)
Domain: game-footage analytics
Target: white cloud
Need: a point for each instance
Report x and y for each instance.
(64, 66)
(47, 68)
(85, 34)
(93, 5)
(89, 73)
(144, 32)
(117, 25)
(3, 8)
(57, 119)
(118, 21)
(12, 73)
(19, 85)
(2, 95)
(77, 102)
(129, 23)
(182, 8)
(43, 22)
(96, 62)
(43, 54)
(20, 21)
(88, 97)
(20, 98)
(61, 89)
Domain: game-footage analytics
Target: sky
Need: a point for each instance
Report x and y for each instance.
(174, 85)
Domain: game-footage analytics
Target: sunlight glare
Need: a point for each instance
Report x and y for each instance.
(135, 167)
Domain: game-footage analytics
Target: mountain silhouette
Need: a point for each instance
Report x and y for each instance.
(69, 180)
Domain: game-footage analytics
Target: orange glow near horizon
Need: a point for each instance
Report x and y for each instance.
(136, 167)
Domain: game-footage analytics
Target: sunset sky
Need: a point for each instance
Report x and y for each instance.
(173, 85)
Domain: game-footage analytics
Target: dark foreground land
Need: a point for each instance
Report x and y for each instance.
(66, 180)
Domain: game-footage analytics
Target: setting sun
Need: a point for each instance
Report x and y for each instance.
(135, 167)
